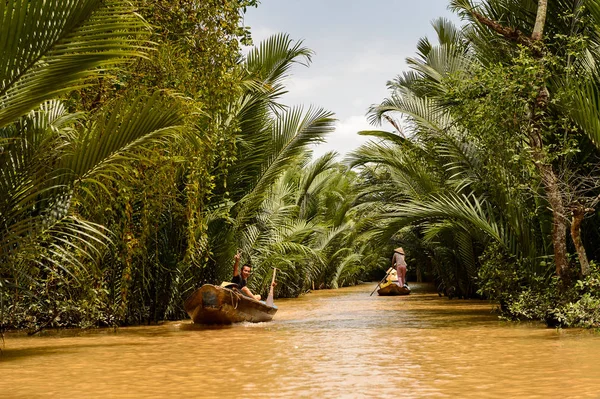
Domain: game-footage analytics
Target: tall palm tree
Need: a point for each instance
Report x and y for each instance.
(271, 138)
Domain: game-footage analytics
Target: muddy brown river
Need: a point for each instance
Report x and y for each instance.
(326, 344)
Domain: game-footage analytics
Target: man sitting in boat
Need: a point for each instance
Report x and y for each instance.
(242, 279)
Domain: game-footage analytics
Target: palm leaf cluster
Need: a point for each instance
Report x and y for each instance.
(50, 157)
(280, 217)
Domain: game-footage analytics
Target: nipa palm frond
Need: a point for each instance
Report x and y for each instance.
(51, 47)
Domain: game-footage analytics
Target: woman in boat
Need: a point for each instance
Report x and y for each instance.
(242, 279)
(400, 264)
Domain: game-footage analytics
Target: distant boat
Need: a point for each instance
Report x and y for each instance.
(391, 288)
(212, 304)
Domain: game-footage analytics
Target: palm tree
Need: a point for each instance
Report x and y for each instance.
(304, 228)
(438, 178)
(49, 156)
(271, 138)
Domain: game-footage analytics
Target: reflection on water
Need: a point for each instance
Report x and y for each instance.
(327, 344)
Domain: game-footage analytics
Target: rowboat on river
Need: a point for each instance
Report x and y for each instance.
(211, 304)
(390, 288)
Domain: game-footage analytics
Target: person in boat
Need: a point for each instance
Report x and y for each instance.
(241, 277)
(399, 263)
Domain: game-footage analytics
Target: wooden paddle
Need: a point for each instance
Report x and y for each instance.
(391, 269)
(270, 301)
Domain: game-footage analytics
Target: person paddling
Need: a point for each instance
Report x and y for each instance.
(400, 264)
(241, 279)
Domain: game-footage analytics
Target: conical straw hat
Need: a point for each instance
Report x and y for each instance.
(399, 250)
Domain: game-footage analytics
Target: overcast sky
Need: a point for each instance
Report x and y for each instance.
(359, 45)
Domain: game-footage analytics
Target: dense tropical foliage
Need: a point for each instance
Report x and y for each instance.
(141, 149)
(497, 182)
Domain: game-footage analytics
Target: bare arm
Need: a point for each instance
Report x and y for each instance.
(236, 264)
(249, 293)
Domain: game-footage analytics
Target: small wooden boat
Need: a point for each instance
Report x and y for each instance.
(211, 304)
(391, 288)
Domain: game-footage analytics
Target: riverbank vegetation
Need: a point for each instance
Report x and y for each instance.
(499, 171)
(141, 148)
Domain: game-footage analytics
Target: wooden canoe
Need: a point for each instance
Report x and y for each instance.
(390, 289)
(211, 304)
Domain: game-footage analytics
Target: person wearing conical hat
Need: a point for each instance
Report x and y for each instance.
(400, 264)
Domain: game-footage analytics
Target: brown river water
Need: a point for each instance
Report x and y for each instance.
(326, 344)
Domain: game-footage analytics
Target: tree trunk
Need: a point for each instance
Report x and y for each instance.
(578, 215)
(549, 178)
(559, 221)
(540, 20)
(555, 199)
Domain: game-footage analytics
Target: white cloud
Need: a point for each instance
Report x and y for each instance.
(345, 138)
(307, 87)
(378, 60)
(356, 52)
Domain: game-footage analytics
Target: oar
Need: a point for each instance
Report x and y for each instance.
(270, 301)
(387, 274)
